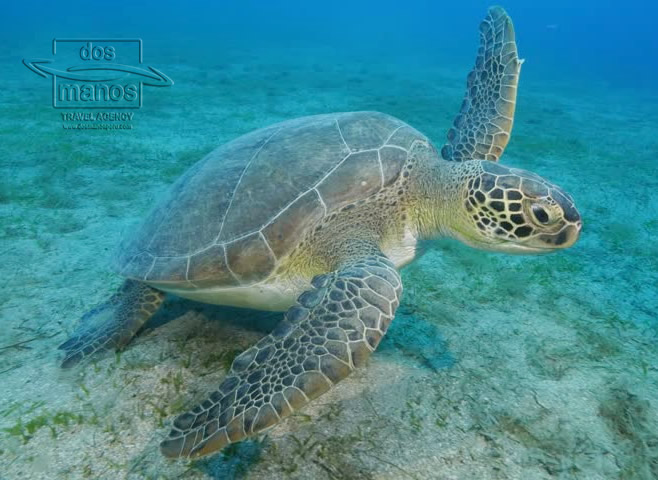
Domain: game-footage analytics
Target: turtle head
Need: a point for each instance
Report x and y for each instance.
(514, 211)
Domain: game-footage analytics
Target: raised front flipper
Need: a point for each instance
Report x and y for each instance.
(331, 330)
(114, 323)
(484, 124)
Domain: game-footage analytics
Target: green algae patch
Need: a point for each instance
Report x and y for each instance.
(55, 422)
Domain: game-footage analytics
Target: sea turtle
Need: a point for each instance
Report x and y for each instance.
(314, 217)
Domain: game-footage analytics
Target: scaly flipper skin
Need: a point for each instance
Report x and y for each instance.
(331, 330)
(484, 124)
(113, 323)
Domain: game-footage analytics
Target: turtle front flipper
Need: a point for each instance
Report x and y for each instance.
(113, 323)
(330, 331)
(484, 124)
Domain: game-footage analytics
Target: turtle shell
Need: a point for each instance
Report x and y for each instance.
(235, 214)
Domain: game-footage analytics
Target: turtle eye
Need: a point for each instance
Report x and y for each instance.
(540, 214)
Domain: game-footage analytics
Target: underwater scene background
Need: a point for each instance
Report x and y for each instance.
(495, 367)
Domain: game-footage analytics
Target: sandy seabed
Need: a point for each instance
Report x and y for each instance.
(496, 367)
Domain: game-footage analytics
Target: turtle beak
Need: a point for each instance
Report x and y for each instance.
(577, 227)
(568, 236)
(564, 238)
(573, 224)
(571, 233)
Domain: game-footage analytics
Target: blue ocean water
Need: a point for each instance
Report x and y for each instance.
(574, 40)
(495, 366)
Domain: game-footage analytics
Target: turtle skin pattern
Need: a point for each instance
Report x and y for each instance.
(330, 331)
(113, 323)
(483, 126)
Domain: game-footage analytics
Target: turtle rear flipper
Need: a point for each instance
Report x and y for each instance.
(113, 323)
(333, 329)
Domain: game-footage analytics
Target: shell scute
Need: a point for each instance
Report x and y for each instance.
(233, 215)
